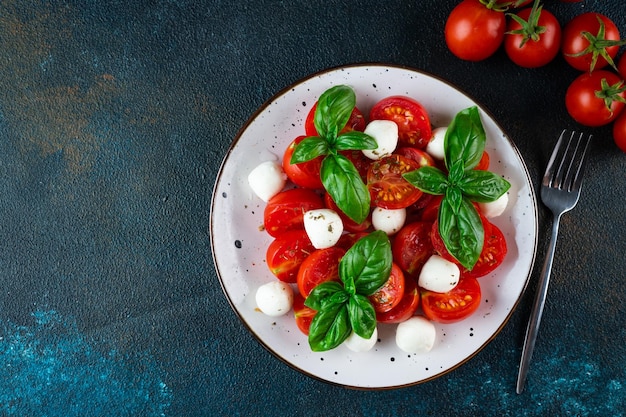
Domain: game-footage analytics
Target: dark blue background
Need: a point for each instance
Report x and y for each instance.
(114, 118)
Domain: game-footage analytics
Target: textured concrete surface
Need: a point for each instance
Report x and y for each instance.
(114, 118)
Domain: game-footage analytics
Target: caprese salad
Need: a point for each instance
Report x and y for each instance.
(378, 220)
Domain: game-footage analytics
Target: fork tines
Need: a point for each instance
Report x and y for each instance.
(564, 169)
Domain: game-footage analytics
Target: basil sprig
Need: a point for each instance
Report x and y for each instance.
(338, 174)
(460, 226)
(344, 307)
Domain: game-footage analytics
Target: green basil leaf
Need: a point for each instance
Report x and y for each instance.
(465, 139)
(330, 327)
(309, 148)
(428, 179)
(368, 263)
(321, 293)
(463, 232)
(355, 140)
(362, 315)
(483, 186)
(345, 186)
(333, 111)
(454, 199)
(457, 172)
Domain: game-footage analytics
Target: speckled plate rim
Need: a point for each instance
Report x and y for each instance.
(240, 294)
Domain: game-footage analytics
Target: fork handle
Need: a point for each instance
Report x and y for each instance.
(535, 317)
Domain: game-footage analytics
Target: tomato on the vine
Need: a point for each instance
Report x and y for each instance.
(305, 174)
(387, 186)
(474, 32)
(355, 122)
(390, 294)
(454, 305)
(621, 66)
(619, 131)
(413, 122)
(595, 99)
(590, 41)
(533, 38)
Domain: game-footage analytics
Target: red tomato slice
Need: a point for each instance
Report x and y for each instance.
(430, 212)
(389, 295)
(303, 314)
(492, 255)
(413, 122)
(322, 265)
(388, 189)
(304, 174)
(454, 305)
(355, 122)
(407, 306)
(286, 253)
(483, 164)
(285, 211)
(412, 246)
(349, 225)
(360, 162)
(418, 155)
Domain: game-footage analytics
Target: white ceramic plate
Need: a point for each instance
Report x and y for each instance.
(239, 246)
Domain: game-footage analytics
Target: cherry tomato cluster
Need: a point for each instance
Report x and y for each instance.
(292, 258)
(532, 37)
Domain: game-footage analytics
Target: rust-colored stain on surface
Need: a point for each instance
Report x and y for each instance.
(47, 113)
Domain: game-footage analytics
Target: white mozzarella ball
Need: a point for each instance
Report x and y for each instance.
(267, 179)
(356, 343)
(385, 132)
(416, 335)
(323, 226)
(388, 220)
(439, 274)
(494, 208)
(435, 146)
(274, 298)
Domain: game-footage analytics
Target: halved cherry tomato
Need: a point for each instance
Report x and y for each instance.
(413, 122)
(349, 225)
(431, 211)
(287, 252)
(355, 122)
(285, 211)
(405, 308)
(304, 174)
(360, 162)
(389, 295)
(347, 240)
(388, 189)
(322, 265)
(303, 314)
(492, 255)
(418, 155)
(483, 164)
(454, 305)
(412, 246)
